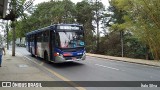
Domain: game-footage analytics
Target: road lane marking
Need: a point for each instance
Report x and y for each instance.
(58, 75)
(107, 67)
(133, 63)
(27, 58)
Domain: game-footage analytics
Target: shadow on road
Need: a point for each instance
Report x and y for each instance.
(67, 64)
(58, 65)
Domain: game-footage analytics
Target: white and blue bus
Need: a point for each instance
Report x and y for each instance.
(57, 43)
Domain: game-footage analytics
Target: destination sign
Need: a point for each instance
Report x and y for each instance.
(68, 27)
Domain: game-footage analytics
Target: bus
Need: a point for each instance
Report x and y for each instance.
(57, 43)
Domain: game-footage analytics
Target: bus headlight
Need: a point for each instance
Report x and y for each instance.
(56, 54)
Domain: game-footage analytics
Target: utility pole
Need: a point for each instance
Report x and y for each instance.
(13, 38)
(7, 36)
(14, 13)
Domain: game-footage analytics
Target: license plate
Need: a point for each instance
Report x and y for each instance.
(74, 58)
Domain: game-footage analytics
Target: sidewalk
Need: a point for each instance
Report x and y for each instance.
(131, 60)
(19, 69)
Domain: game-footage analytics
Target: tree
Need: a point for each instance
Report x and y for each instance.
(84, 15)
(98, 10)
(69, 11)
(16, 10)
(143, 20)
(45, 14)
(117, 21)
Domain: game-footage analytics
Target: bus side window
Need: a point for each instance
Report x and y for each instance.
(41, 37)
(31, 38)
(53, 38)
(45, 36)
(38, 37)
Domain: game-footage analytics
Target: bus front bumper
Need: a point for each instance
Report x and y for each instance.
(61, 59)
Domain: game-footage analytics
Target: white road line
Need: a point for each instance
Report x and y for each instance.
(107, 67)
(27, 58)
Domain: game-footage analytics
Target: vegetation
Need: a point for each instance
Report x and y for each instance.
(129, 28)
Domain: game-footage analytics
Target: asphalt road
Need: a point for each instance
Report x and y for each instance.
(98, 69)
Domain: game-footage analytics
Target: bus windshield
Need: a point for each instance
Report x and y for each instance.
(70, 39)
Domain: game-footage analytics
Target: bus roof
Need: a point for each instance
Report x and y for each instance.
(49, 28)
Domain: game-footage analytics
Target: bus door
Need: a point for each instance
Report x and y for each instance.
(35, 44)
(51, 45)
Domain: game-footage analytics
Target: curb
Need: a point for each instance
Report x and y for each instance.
(137, 61)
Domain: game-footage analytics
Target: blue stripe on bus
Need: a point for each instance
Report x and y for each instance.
(76, 53)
